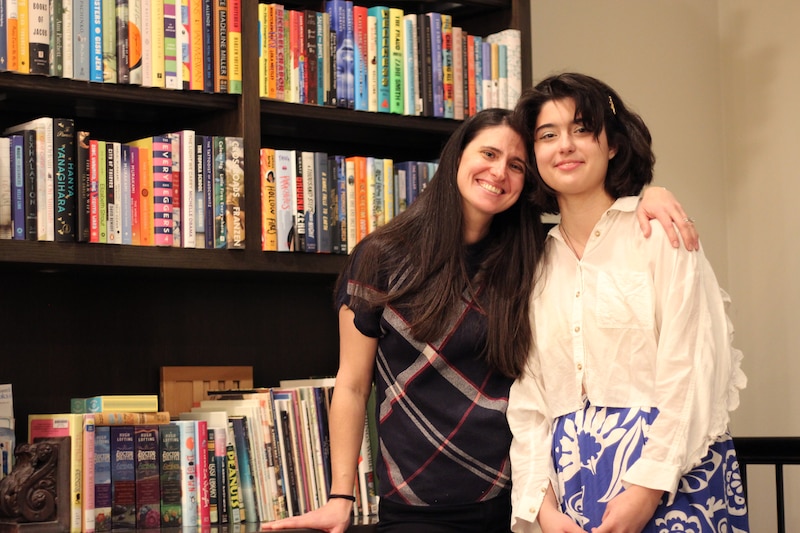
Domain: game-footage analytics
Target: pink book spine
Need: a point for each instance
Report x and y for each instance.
(162, 190)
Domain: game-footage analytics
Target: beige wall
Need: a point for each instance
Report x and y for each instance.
(718, 83)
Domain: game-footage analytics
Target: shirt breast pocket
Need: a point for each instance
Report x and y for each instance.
(624, 300)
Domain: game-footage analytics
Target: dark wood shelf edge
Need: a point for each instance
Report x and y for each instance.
(28, 84)
(367, 119)
(66, 256)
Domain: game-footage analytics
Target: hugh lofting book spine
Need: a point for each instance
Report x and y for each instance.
(234, 193)
(146, 468)
(65, 178)
(123, 478)
(102, 478)
(170, 473)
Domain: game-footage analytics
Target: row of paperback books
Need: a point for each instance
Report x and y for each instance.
(385, 60)
(177, 189)
(245, 456)
(315, 202)
(172, 44)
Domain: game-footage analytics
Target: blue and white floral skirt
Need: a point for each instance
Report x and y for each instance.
(592, 449)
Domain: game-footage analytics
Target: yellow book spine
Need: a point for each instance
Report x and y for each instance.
(196, 40)
(24, 63)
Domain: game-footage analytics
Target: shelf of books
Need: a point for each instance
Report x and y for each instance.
(162, 203)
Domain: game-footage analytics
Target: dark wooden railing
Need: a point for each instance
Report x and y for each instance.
(776, 451)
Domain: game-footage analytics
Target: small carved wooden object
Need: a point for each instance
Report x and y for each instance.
(30, 494)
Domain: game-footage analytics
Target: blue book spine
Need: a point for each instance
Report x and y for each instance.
(478, 73)
(381, 14)
(96, 40)
(412, 181)
(336, 10)
(102, 478)
(341, 195)
(17, 157)
(436, 62)
(410, 36)
(244, 462)
(349, 55)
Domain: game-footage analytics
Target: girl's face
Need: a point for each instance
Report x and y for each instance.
(569, 158)
(491, 175)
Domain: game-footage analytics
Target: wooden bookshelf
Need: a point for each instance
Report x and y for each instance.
(84, 319)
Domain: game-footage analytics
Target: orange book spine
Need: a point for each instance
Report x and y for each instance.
(362, 211)
(24, 63)
(12, 29)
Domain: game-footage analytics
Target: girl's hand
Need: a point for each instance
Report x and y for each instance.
(659, 203)
(630, 510)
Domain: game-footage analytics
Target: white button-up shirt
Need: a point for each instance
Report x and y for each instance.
(634, 323)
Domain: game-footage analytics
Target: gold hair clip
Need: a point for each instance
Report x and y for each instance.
(611, 103)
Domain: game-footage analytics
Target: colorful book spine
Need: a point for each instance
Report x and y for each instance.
(65, 178)
(135, 44)
(39, 37)
(388, 189)
(372, 63)
(299, 201)
(448, 97)
(171, 58)
(81, 39)
(322, 200)
(221, 46)
(284, 224)
(118, 418)
(458, 73)
(232, 469)
(183, 44)
(157, 43)
(425, 73)
(17, 181)
(269, 206)
(123, 478)
(56, 38)
(410, 58)
(235, 46)
(337, 11)
(88, 483)
(189, 489)
(23, 20)
(12, 35)
(170, 475)
(134, 187)
(196, 44)
(437, 76)
(122, 16)
(309, 201)
(96, 69)
(102, 478)
(146, 473)
(208, 46)
(220, 233)
(360, 58)
(396, 83)
(162, 191)
(125, 194)
(234, 193)
(109, 33)
(203, 479)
